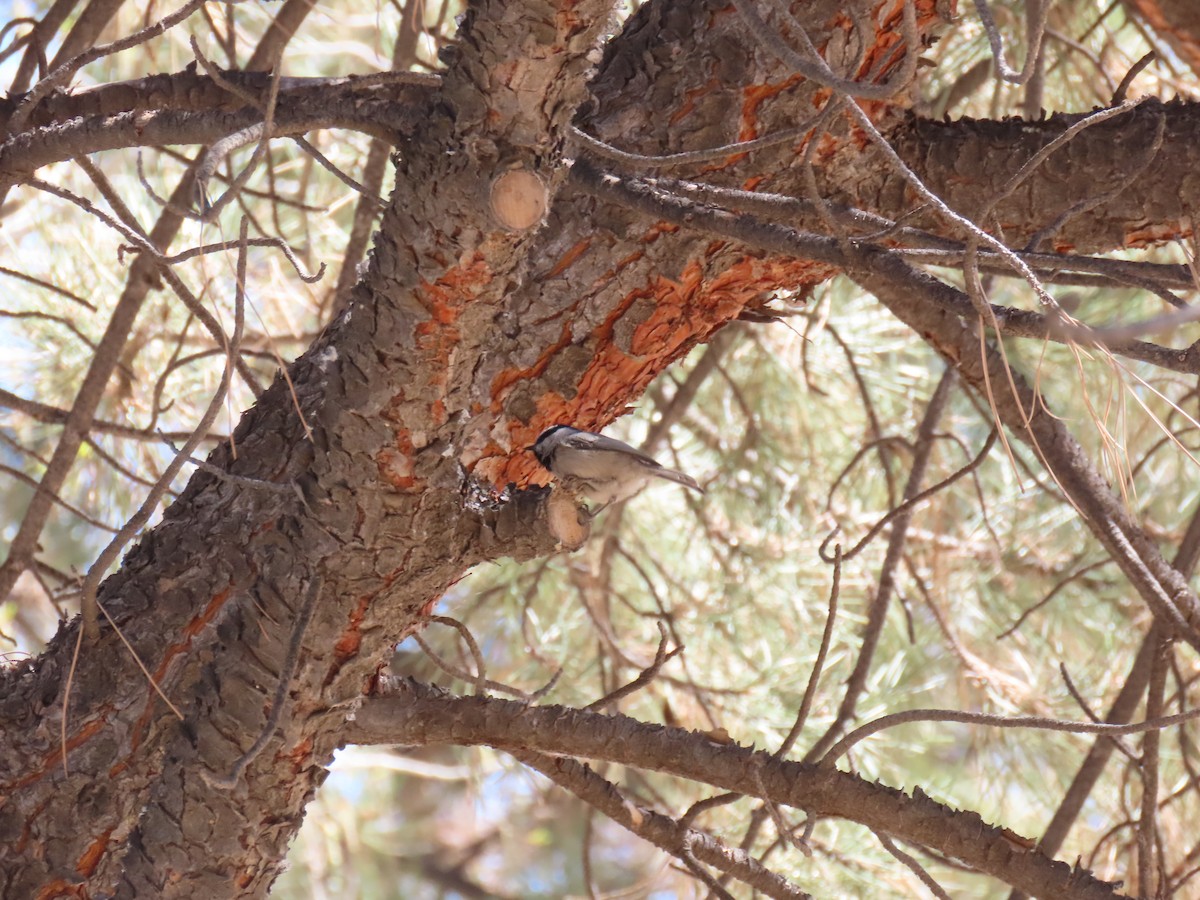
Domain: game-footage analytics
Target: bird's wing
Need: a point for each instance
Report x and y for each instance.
(586, 440)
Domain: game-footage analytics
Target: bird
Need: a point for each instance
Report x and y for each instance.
(603, 469)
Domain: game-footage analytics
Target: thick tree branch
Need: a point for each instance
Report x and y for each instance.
(662, 831)
(937, 311)
(31, 150)
(417, 714)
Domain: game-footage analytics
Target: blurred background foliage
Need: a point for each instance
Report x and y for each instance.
(796, 429)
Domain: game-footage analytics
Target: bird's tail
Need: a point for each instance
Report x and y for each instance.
(678, 478)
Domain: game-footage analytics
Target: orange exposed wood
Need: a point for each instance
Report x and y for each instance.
(190, 630)
(444, 300)
(753, 97)
(27, 828)
(396, 463)
(53, 758)
(438, 340)
(301, 755)
(568, 259)
(93, 854)
(685, 311)
(1151, 235)
(624, 263)
(195, 626)
(347, 646)
(603, 334)
(887, 40)
(60, 888)
(508, 377)
(689, 99)
(1157, 233)
(658, 228)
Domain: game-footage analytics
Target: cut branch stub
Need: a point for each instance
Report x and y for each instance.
(519, 199)
(564, 520)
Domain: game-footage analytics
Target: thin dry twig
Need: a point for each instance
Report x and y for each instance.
(1037, 723)
(880, 603)
(670, 160)
(814, 677)
(262, 133)
(907, 505)
(482, 683)
(1087, 710)
(276, 242)
(1147, 827)
(59, 76)
(812, 66)
(1050, 595)
(1134, 70)
(911, 863)
(138, 520)
(472, 645)
(647, 675)
(1033, 38)
(133, 234)
(286, 671)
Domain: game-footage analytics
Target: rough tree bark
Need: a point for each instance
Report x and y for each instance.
(462, 341)
(357, 492)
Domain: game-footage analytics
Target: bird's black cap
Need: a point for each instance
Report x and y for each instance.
(544, 458)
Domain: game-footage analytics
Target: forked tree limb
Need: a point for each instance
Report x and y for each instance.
(417, 714)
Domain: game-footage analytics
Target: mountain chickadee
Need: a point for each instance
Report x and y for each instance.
(605, 469)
